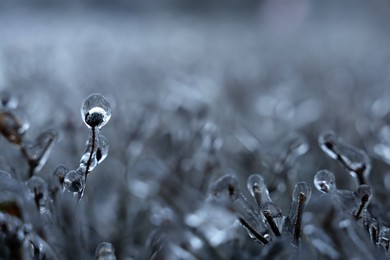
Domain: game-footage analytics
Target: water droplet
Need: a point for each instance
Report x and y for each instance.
(102, 149)
(325, 181)
(105, 251)
(95, 111)
(74, 181)
(226, 185)
(13, 125)
(258, 189)
(7, 100)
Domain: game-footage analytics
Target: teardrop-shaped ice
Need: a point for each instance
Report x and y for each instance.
(105, 251)
(96, 111)
(258, 189)
(101, 149)
(74, 181)
(329, 144)
(88, 162)
(354, 160)
(325, 181)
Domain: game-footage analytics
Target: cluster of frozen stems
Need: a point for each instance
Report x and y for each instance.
(281, 235)
(18, 238)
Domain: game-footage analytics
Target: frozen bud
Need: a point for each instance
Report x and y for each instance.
(38, 191)
(95, 111)
(325, 181)
(105, 251)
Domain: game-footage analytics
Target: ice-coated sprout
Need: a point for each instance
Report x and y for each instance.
(354, 160)
(96, 111)
(57, 179)
(74, 181)
(258, 189)
(302, 188)
(272, 215)
(105, 251)
(7, 100)
(38, 152)
(325, 181)
(329, 144)
(363, 195)
(101, 149)
(38, 191)
(13, 126)
(226, 185)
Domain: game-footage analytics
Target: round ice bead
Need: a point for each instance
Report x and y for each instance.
(95, 111)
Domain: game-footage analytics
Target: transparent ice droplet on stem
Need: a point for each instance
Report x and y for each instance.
(363, 196)
(86, 160)
(273, 215)
(7, 100)
(105, 251)
(325, 181)
(74, 181)
(258, 189)
(95, 111)
(101, 149)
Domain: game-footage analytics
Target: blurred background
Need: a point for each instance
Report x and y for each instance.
(251, 71)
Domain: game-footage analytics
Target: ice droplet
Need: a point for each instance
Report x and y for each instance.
(102, 149)
(258, 189)
(95, 111)
(74, 181)
(57, 179)
(85, 159)
(324, 181)
(105, 251)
